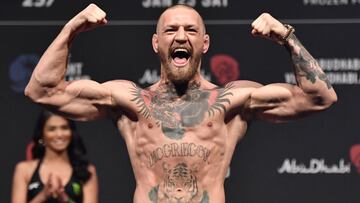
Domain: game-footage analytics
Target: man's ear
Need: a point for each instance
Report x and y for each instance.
(206, 43)
(155, 43)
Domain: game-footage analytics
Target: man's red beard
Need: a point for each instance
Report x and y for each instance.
(182, 74)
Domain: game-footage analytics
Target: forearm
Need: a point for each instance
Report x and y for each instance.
(309, 75)
(39, 198)
(48, 76)
(51, 69)
(52, 66)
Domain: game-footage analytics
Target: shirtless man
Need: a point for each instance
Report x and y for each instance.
(180, 132)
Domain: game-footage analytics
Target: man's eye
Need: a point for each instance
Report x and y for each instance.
(192, 31)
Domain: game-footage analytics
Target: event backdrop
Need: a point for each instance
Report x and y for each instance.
(315, 159)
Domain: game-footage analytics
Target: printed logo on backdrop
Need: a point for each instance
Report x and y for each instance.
(315, 166)
(151, 76)
(20, 71)
(339, 71)
(330, 2)
(355, 156)
(37, 3)
(21, 68)
(75, 70)
(225, 68)
(192, 3)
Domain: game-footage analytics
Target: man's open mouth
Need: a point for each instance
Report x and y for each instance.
(180, 56)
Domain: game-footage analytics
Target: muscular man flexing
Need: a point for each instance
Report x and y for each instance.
(180, 132)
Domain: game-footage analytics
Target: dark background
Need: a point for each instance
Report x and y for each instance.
(122, 49)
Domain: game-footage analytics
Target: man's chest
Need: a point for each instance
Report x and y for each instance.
(196, 110)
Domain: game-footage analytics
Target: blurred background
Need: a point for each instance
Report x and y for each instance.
(315, 159)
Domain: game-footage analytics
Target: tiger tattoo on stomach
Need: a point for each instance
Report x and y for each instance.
(179, 186)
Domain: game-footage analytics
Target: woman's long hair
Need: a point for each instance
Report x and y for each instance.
(76, 149)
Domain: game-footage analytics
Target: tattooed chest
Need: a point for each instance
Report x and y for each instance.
(174, 116)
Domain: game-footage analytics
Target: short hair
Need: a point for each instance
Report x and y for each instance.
(183, 6)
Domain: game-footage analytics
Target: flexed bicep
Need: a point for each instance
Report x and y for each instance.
(81, 99)
(282, 102)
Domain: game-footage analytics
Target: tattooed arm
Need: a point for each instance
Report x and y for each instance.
(281, 102)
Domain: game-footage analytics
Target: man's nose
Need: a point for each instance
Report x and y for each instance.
(181, 35)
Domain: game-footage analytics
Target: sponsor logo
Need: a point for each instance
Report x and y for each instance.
(315, 166)
(355, 156)
(228, 172)
(151, 76)
(75, 70)
(330, 2)
(20, 71)
(21, 68)
(292, 166)
(34, 185)
(339, 71)
(76, 188)
(37, 3)
(225, 68)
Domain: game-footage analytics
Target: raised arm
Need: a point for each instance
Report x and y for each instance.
(281, 102)
(81, 99)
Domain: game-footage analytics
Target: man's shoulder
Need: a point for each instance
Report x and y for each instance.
(240, 91)
(122, 88)
(243, 84)
(119, 83)
(127, 84)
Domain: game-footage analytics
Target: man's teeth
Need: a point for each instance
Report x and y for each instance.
(181, 49)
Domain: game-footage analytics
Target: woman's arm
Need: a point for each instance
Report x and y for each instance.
(90, 188)
(19, 184)
(22, 174)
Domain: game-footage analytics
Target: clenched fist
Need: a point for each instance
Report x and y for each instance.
(91, 17)
(268, 27)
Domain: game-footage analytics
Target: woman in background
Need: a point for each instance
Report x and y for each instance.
(58, 171)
